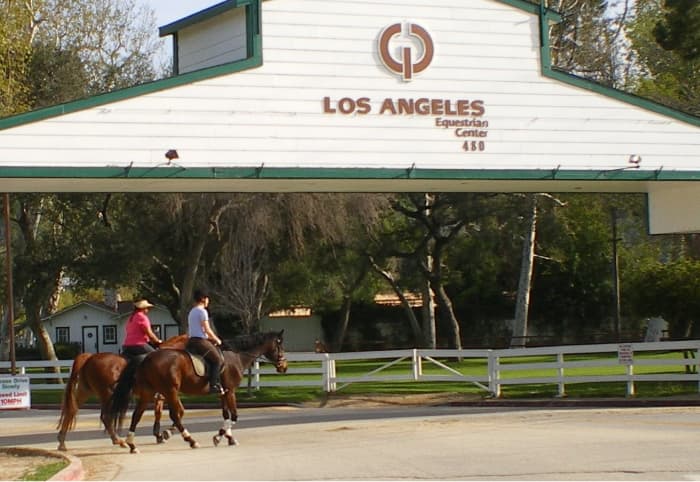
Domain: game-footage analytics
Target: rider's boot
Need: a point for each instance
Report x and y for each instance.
(214, 380)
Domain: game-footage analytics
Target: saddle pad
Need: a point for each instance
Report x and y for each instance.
(200, 367)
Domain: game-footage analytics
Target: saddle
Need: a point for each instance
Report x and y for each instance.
(200, 365)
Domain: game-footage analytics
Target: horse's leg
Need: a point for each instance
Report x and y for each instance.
(158, 413)
(69, 414)
(104, 394)
(230, 414)
(141, 405)
(161, 437)
(177, 410)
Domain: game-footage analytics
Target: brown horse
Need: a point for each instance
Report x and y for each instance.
(96, 374)
(169, 372)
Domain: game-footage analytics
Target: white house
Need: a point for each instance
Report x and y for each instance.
(301, 328)
(98, 327)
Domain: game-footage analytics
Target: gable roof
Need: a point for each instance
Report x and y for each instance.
(90, 304)
(263, 144)
(124, 309)
(549, 15)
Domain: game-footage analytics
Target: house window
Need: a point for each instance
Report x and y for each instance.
(109, 334)
(62, 334)
(156, 330)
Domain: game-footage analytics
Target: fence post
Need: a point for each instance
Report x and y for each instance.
(256, 375)
(332, 385)
(697, 367)
(326, 373)
(494, 386)
(560, 371)
(417, 366)
(630, 380)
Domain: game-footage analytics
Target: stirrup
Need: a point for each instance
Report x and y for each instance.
(216, 389)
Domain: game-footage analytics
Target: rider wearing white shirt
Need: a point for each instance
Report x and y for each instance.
(203, 341)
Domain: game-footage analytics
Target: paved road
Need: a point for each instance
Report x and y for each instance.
(399, 443)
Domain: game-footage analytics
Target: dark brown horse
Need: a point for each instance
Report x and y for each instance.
(96, 374)
(170, 372)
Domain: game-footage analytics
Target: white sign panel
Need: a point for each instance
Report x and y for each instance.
(14, 393)
(625, 354)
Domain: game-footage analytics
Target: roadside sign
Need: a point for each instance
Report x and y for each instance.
(14, 392)
(625, 354)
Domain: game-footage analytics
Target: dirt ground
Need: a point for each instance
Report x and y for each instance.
(16, 463)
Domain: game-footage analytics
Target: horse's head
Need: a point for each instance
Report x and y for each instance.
(274, 351)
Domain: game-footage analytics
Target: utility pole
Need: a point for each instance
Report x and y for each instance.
(10, 295)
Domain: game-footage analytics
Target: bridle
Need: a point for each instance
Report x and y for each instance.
(279, 362)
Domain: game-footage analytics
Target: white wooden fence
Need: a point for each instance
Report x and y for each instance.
(557, 365)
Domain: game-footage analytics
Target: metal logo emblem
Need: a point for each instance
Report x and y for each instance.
(406, 66)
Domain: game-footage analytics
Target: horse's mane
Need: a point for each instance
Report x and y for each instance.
(246, 342)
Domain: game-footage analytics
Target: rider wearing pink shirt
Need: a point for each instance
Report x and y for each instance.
(139, 332)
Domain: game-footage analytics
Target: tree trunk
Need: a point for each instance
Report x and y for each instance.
(447, 310)
(4, 338)
(522, 303)
(46, 348)
(344, 322)
(214, 213)
(412, 320)
(347, 303)
(428, 309)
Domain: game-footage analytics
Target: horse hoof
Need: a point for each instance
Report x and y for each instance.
(62, 448)
(233, 441)
(194, 445)
(166, 435)
(134, 450)
(159, 439)
(216, 440)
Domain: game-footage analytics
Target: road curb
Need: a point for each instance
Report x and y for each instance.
(583, 403)
(74, 470)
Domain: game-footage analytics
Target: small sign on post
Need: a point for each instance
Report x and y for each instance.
(625, 354)
(14, 393)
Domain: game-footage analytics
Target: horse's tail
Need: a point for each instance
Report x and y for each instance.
(69, 404)
(119, 401)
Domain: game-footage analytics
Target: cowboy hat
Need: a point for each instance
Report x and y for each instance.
(142, 304)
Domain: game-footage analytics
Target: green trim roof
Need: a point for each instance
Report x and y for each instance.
(279, 173)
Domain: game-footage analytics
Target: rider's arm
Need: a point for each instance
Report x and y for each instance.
(152, 336)
(210, 333)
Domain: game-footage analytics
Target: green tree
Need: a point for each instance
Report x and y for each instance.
(115, 39)
(671, 77)
(60, 234)
(77, 48)
(15, 47)
(672, 291)
(55, 75)
(679, 29)
(589, 41)
(261, 259)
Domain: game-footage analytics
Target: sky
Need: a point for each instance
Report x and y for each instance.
(168, 11)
